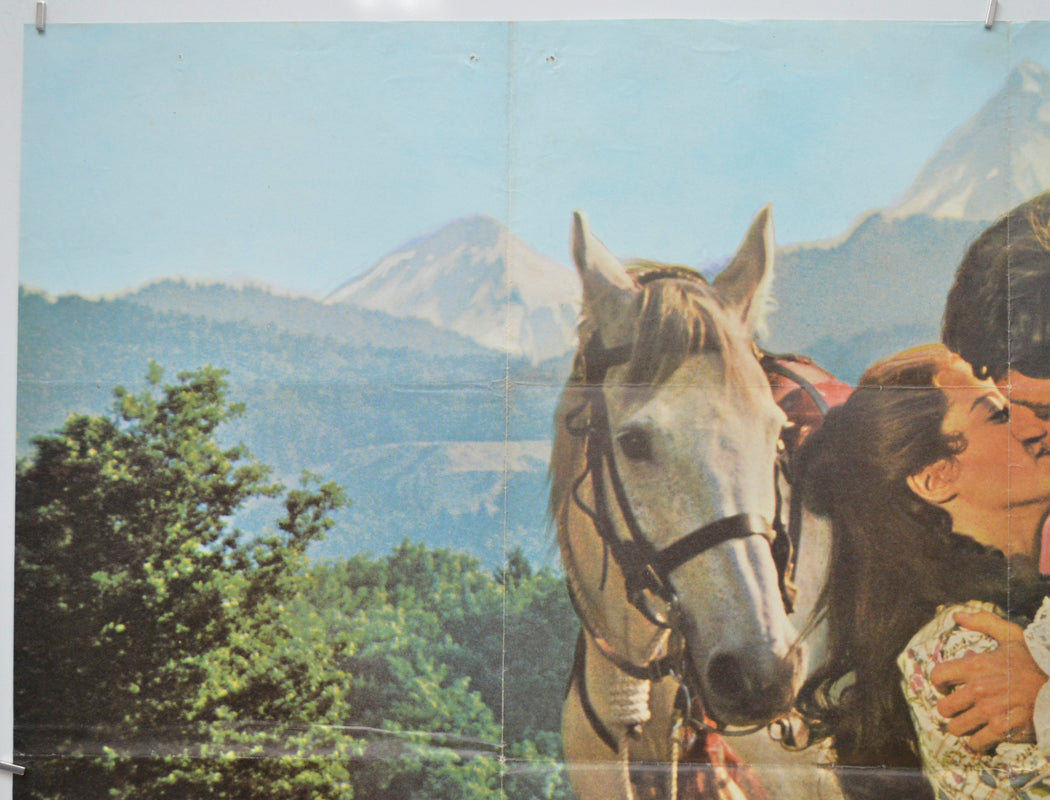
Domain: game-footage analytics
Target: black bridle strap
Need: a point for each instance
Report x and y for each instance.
(736, 527)
(784, 544)
(791, 534)
(600, 358)
(653, 670)
(663, 562)
(578, 676)
(643, 566)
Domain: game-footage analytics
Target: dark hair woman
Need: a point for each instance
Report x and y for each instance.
(932, 503)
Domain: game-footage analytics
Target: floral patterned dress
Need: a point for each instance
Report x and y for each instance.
(956, 772)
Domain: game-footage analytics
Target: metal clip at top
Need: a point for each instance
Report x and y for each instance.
(989, 21)
(41, 15)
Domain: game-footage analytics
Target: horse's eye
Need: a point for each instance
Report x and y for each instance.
(636, 445)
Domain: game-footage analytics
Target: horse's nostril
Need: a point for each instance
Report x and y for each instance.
(725, 677)
(746, 690)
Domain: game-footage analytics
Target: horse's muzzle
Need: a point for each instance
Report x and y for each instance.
(740, 689)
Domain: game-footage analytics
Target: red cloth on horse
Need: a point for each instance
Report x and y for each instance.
(710, 770)
(802, 411)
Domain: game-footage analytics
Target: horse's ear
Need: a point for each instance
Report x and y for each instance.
(745, 284)
(608, 291)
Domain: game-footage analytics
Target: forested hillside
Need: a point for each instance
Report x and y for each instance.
(162, 652)
(421, 434)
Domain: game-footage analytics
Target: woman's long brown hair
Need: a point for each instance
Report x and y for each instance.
(894, 560)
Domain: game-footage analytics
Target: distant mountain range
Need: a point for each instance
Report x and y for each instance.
(881, 286)
(427, 384)
(259, 304)
(418, 436)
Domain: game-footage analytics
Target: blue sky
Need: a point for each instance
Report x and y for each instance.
(299, 154)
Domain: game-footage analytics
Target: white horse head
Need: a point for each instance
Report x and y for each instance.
(692, 433)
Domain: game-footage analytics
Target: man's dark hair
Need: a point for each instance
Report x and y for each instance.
(998, 312)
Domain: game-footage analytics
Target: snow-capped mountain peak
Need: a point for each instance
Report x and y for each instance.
(1029, 76)
(473, 276)
(998, 158)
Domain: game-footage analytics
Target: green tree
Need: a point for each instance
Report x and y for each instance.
(153, 646)
(516, 570)
(429, 733)
(453, 665)
(162, 653)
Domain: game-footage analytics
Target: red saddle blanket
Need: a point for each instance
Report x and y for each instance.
(795, 397)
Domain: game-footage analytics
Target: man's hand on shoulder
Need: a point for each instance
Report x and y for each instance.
(990, 696)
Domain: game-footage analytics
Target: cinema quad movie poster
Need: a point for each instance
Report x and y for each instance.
(297, 303)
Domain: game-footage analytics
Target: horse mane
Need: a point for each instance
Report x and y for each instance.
(680, 315)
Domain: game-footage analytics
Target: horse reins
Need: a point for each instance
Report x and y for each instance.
(644, 567)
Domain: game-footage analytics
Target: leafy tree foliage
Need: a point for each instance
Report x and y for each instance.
(152, 644)
(162, 653)
(500, 644)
